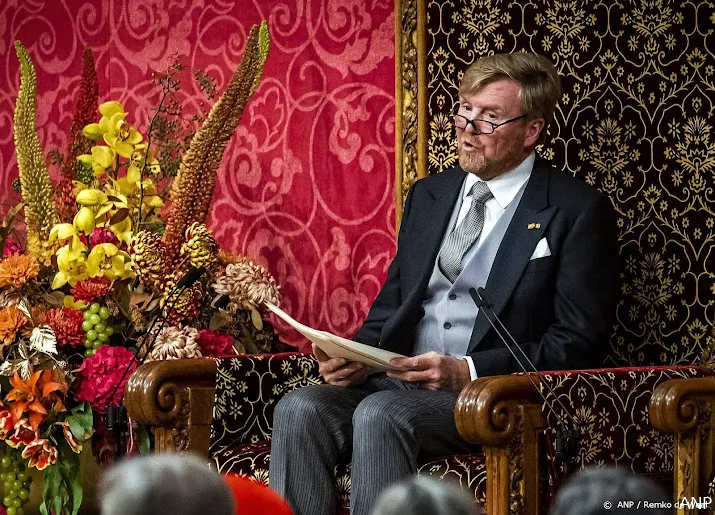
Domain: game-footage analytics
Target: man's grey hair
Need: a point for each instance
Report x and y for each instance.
(423, 495)
(609, 491)
(165, 483)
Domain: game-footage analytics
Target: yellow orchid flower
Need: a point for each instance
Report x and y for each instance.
(84, 220)
(62, 232)
(102, 158)
(69, 302)
(110, 108)
(91, 197)
(71, 263)
(142, 152)
(119, 134)
(107, 260)
(123, 230)
(93, 131)
(129, 182)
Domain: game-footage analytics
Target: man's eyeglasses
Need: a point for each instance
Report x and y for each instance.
(479, 126)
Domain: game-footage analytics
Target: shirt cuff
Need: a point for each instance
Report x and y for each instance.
(472, 369)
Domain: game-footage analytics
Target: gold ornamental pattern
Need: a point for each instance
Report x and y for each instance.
(635, 121)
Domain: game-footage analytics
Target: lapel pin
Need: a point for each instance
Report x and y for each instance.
(533, 226)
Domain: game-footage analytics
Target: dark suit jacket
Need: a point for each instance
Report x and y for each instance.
(558, 308)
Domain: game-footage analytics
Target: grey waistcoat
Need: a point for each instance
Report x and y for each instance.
(450, 312)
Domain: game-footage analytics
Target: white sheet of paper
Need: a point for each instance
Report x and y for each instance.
(339, 347)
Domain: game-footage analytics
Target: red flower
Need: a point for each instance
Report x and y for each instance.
(11, 249)
(102, 235)
(89, 290)
(22, 434)
(214, 344)
(67, 325)
(74, 444)
(7, 423)
(99, 376)
(40, 454)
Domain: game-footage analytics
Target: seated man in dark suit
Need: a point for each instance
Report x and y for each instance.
(542, 243)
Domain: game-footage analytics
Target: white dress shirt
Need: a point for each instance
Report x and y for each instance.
(504, 188)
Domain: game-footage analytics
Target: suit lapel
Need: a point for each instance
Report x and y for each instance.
(427, 228)
(432, 222)
(516, 247)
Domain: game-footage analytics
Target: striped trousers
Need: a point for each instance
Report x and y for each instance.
(383, 426)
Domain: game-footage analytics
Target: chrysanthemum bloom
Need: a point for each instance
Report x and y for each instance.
(18, 270)
(175, 343)
(40, 454)
(12, 320)
(67, 325)
(89, 290)
(248, 285)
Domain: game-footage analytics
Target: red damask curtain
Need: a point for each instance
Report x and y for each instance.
(306, 186)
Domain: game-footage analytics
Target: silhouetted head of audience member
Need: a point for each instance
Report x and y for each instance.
(165, 483)
(423, 495)
(611, 490)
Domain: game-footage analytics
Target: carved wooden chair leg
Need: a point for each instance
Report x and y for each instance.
(684, 407)
(175, 398)
(503, 414)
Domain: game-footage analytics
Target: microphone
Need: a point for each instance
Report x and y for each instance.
(566, 439)
(190, 277)
(116, 415)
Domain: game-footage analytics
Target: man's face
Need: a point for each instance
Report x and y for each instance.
(490, 155)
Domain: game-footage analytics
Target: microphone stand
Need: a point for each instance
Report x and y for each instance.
(567, 440)
(116, 416)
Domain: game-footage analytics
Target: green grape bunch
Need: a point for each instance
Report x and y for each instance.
(97, 327)
(15, 483)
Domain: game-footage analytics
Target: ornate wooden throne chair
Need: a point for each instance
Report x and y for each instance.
(634, 121)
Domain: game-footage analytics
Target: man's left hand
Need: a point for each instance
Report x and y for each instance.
(432, 371)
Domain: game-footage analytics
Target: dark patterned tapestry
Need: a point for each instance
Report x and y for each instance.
(635, 121)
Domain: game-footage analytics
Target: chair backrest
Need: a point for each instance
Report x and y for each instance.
(610, 408)
(635, 121)
(247, 391)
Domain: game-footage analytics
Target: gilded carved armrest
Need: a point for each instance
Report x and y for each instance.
(503, 414)
(684, 407)
(175, 399)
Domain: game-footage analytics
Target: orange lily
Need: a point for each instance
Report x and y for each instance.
(29, 396)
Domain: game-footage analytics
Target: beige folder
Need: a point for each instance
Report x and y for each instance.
(338, 347)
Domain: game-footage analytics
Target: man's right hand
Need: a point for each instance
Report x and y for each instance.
(339, 371)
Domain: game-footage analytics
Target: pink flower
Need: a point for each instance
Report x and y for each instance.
(102, 235)
(11, 249)
(99, 376)
(40, 454)
(22, 434)
(214, 344)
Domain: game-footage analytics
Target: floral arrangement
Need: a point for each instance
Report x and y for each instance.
(104, 253)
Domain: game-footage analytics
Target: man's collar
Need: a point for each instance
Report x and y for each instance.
(507, 185)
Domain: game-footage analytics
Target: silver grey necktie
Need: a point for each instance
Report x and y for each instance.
(465, 234)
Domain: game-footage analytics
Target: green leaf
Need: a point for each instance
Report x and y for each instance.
(76, 493)
(81, 421)
(144, 439)
(50, 493)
